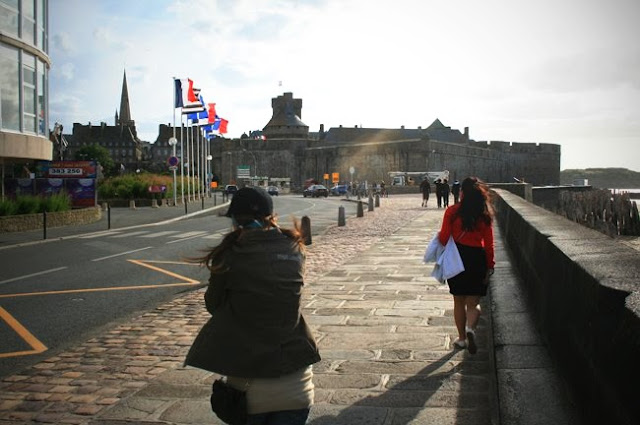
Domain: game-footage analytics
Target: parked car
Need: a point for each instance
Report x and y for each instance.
(273, 190)
(339, 189)
(230, 189)
(315, 191)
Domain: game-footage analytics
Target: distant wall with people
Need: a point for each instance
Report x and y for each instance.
(583, 287)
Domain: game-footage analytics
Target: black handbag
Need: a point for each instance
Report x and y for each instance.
(229, 404)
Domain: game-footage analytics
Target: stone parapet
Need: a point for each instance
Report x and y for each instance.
(583, 288)
(25, 222)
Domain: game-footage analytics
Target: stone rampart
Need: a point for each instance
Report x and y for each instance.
(24, 222)
(584, 289)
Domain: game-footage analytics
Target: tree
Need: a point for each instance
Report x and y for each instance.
(96, 153)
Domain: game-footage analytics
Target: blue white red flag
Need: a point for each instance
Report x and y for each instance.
(187, 96)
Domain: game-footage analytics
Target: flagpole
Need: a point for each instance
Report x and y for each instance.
(188, 159)
(199, 157)
(173, 144)
(192, 163)
(181, 157)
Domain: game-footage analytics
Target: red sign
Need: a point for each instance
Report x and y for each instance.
(75, 169)
(157, 189)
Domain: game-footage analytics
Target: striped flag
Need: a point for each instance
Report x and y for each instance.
(187, 97)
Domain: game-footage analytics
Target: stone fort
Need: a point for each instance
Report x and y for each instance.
(286, 149)
(289, 149)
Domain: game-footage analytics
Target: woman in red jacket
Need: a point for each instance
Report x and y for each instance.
(470, 224)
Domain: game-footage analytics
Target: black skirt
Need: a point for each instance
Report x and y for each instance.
(469, 282)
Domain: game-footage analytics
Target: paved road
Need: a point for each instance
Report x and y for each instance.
(384, 328)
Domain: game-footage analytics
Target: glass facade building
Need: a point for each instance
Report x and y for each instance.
(24, 83)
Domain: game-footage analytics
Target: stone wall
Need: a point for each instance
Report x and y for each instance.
(584, 290)
(24, 222)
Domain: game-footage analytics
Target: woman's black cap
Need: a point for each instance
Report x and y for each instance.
(252, 201)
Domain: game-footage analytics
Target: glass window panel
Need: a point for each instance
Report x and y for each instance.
(11, 3)
(8, 20)
(29, 100)
(28, 31)
(28, 8)
(29, 123)
(9, 88)
(42, 101)
(29, 75)
(41, 22)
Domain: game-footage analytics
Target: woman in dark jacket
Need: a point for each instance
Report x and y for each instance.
(257, 336)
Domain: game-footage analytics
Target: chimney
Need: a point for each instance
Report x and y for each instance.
(466, 133)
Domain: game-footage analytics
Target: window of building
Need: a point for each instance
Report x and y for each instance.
(42, 98)
(29, 92)
(41, 24)
(28, 22)
(9, 88)
(9, 17)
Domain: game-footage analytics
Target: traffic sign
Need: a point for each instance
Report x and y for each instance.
(173, 161)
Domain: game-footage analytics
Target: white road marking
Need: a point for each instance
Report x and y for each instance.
(188, 234)
(32, 275)
(122, 253)
(159, 234)
(126, 235)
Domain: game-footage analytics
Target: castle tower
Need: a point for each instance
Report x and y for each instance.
(286, 122)
(125, 111)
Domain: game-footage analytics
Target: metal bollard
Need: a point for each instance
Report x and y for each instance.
(44, 223)
(360, 209)
(202, 198)
(370, 203)
(305, 228)
(341, 218)
(377, 200)
(215, 199)
(108, 217)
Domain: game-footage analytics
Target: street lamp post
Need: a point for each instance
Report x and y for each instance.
(173, 142)
(255, 162)
(209, 158)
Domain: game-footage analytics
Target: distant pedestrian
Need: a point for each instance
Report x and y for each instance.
(438, 184)
(470, 224)
(425, 189)
(455, 191)
(257, 336)
(445, 193)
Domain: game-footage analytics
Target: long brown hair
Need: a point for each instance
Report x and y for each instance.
(214, 260)
(475, 203)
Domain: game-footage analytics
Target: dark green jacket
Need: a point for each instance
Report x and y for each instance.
(256, 329)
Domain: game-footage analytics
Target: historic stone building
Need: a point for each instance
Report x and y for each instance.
(291, 151)
(286, 149)
(121, 140)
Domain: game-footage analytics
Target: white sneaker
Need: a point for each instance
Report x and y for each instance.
(471, 341)
(460, 343)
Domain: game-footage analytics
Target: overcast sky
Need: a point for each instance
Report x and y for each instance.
(544, 71)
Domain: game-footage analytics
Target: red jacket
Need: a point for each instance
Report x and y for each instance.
(481, 236)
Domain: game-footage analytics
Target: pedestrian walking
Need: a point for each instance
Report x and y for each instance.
(257, 337)
(455, 191)
(425, 188)
(470, 222)
(445, 193)
(438, 184)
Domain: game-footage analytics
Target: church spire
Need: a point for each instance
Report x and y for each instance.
(125, 112)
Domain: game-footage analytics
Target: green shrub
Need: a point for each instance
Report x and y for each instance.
(27, 204)
(57, 202)
(133, 186)
(7, 207)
